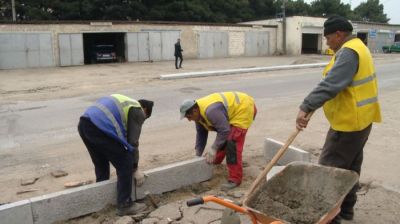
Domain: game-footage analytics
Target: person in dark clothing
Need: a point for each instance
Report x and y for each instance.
(178, 54)
(349, 96)
(110, 130)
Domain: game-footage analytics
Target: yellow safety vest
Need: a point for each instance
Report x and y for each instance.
(124, 104)
(240, 108)
(357, 106)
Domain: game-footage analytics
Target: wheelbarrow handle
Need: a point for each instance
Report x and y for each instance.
(196, 201)
(224, 202)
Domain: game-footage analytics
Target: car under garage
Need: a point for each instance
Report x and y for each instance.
(104, 47)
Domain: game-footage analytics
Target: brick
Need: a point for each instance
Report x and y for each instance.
(16, 213)
(72, 203)
(274, 171)
(271, 147)
(174, 176)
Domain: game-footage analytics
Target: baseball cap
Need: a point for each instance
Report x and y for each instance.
(185, 106)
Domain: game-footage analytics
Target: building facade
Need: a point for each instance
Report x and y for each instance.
(304, 35)
(69, 44)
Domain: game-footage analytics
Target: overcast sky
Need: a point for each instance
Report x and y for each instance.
(390, 7)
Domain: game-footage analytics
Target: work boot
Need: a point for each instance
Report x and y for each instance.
(131, 210)
(228, 186)
(347, 214)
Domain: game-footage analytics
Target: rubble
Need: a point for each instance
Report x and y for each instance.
(30, 181)
(59, 173)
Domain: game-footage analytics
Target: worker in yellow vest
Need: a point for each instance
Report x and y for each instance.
(230, 114)
(348, 93)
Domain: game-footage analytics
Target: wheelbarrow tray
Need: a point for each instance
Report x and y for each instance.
(302, 193)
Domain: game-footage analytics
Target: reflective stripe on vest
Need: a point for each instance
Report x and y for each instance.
(365, 80)
(239, 107)
(120, 106)
(124, 103)
(225, 101)
(111, 117)
(357, 106)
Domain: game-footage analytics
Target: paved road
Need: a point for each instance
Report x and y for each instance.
(44, 122)
(32, 133)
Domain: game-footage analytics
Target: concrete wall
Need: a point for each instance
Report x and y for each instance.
(189, 33)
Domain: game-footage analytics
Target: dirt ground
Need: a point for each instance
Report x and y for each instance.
(377, 203)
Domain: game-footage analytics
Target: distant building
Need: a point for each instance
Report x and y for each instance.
(304, 35)
(49, 43)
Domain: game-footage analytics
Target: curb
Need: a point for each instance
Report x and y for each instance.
(239, 71)
(75, 202)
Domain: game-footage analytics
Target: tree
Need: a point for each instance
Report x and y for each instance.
(293, 7)
(262, 9)
(371, 11)
(327, 8)
(5, 10)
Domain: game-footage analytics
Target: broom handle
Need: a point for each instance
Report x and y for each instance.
(274, 160)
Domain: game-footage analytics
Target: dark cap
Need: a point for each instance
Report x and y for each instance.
(337, 23)
(148, 105)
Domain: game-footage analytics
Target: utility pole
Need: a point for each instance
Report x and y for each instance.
(14, 16)
(284, 25)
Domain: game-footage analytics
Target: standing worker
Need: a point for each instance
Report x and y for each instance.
(349, 96)
(110, 130)
(230, 114)
(178, 54)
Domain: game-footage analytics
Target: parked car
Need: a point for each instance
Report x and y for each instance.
(104, 53)
(395, 47)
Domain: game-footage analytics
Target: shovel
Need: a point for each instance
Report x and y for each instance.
(273, 161)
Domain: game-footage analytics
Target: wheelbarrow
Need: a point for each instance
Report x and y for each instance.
(302, 193)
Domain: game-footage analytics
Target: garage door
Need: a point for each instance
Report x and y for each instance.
(168, 40)
(383, 39)
(70, 49)
(257, 43)
(155, 46)
(26, 50)
(213, 44)
(137, 46)
(152, 45)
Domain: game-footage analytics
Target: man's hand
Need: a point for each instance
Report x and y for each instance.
(302, 120)
(140, 177)
(210, 156)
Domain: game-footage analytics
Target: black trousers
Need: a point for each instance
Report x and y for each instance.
(180, 61)
(105, 150)
(345, 150)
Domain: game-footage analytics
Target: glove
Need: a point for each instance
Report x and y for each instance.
(140, 177)
(210, 156)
